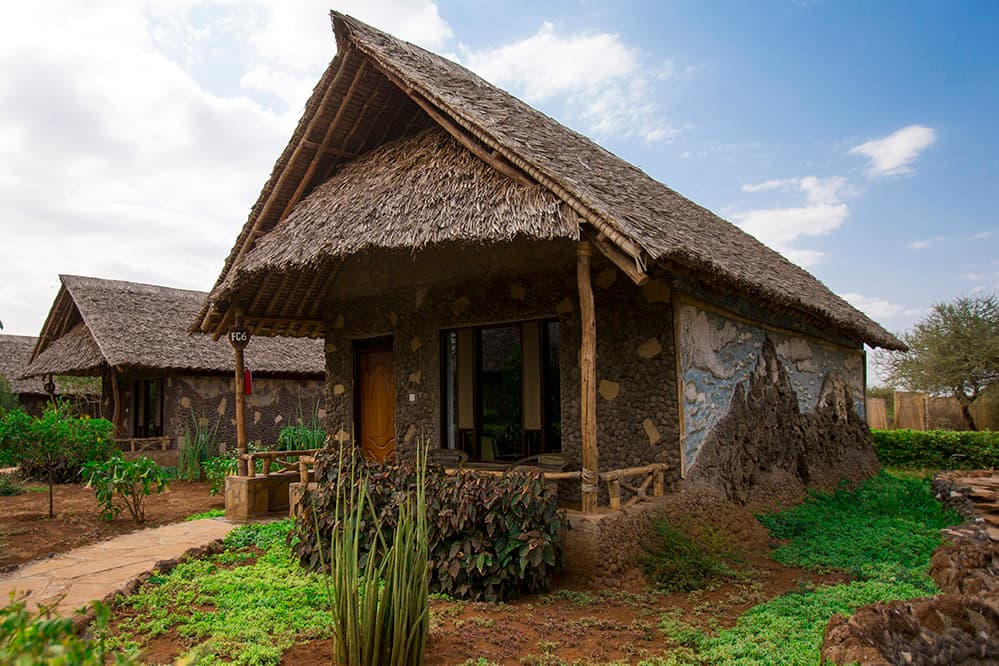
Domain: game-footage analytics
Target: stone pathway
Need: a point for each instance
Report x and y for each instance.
(97, 571)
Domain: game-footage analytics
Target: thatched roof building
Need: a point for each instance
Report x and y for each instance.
(367, 122)
(141, 327)
(15, 352)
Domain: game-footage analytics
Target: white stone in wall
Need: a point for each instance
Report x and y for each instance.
(278, 419)
(608, 390)
(222, 407)
(185, 402)
(651, 431)
(256, 417)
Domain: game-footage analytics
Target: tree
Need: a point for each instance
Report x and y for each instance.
(953, 350)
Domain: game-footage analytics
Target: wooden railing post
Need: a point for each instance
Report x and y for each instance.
(614, 490)
(239, 338)
(658, 478)
(587, 379)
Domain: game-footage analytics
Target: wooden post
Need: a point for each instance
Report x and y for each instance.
(239, 339)
(116, 401)
(614, 491)
(587, 378)
(658, 481)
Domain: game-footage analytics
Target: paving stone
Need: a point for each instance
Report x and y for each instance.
(93, 572)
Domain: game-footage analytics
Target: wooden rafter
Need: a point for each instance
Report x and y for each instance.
(327, 137)
(628, 265)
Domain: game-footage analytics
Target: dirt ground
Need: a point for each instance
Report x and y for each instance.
(26, 532)
(576, 624)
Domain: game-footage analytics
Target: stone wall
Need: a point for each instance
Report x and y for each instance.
(274, 403)
(765, 409)
(636, 410)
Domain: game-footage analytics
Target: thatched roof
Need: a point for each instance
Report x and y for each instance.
(378, 89)
(15, 352)
(132, 326)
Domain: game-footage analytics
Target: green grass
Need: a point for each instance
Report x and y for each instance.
(227, 613)
(883, 531)
(211, 513)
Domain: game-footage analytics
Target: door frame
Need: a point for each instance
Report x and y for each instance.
(360, 346)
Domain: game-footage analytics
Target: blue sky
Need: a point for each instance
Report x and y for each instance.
(858, 138)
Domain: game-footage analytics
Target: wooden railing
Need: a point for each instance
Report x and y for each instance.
(617, 479)
(270, 458)
(136, 444)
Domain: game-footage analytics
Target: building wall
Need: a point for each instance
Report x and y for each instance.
(758, 401)
(637, 401)
(274, 403)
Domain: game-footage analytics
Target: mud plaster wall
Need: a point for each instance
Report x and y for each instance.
(274, 403)
(637, 413)
(767, 413)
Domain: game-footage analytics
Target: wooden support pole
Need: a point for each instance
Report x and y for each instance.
(614, 491)
(116, 402)
(658, 478)
(587, 378)
(238, 346)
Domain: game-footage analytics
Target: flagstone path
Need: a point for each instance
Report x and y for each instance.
(68, 581)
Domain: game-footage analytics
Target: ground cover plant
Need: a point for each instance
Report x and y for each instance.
(125, 484)
(246, 605)
(937, 449)
(687, 557)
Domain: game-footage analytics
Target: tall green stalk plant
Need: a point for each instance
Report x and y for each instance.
(380, 605)
(200, 442)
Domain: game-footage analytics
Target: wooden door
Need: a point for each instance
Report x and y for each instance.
(376, 403)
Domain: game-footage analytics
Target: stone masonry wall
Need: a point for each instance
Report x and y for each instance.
(274, 403)
(636, 403)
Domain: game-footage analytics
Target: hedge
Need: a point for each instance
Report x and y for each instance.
(937, 449)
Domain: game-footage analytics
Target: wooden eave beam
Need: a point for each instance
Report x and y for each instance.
(628, 265)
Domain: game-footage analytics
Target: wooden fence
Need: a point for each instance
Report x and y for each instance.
(919, 411)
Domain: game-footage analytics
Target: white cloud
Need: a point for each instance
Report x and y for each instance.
(894, 154)
(782, 227)
(983, 234)
(601, 79)
(879, 308)
(923, 244)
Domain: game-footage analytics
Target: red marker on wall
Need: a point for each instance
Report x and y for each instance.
(247, 382)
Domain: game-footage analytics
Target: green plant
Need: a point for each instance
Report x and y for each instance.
(216, 469)
(9, 486)
(54, 447)
(379, 603)
(129, 481)
(688, 557)
(937, 449)
(8, 399)
(211, 513)
(301, 437)
(28, 638)
(15, 428)
(491, 538)
(198, 444)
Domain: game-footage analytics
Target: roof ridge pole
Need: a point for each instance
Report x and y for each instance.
(239, 338)
(587, 379)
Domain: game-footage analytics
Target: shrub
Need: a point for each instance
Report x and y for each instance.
(490, 538)
(216, 469)
(130, 481)
(380, 608)
(198, 444)
(688, 557)
(39, 638)
(8, 399)
(937, 449)
(9, 486)
(15, 427)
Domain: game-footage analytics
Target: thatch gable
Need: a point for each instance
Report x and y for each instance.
(15, 351)
(379, 88)
(141, 327)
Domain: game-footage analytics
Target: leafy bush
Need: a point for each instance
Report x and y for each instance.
(301, 437)
(216, 469)
(8, 399)
(9, 486)
(28, 638)
(55, 446)
(380, 609)
(688, 557)
(937, 449)
(198, 444)
(491, 538)
(130, 481)
(15, 427)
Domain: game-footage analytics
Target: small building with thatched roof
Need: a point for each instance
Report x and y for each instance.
(156, 379)
(491, 281)
(15, 352)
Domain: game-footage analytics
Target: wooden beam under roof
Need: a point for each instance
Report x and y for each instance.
(327, 137)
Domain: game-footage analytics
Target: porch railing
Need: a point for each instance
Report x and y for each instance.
(138, 444)
(283, 459)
